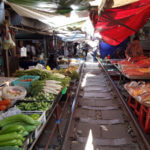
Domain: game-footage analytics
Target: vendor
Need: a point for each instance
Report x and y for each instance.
(52, 62)
(134, 49)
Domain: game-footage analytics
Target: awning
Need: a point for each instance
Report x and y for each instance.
(54, 21)
(111, 24)
(71, 37)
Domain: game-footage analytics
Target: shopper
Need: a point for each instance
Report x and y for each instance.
(75, 48)
(85, 49)
(134, 49)
(94, 53)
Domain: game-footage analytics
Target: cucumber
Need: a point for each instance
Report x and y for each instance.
(14, 128)
(13, 142)
(10, 136)
(27, 127)
(18, 117)
(9, 148)
(23, 133)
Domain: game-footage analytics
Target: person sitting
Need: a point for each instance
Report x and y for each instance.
(134, 49)
(52, 62)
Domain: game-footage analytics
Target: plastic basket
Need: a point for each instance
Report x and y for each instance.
(25, 84)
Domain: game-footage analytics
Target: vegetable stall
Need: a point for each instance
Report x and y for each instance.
(28, 102)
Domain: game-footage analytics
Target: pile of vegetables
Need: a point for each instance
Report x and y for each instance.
(70, 72)
(14, 129)
(4, 104)
(35, 116)
(31, 106)
(41, 96)
(35, 72)
(36, 88)
(44, 75)
(51, 86)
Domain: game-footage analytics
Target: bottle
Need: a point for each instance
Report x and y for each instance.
(108, 57)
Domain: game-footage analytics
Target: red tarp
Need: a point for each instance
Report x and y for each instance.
(134, 15)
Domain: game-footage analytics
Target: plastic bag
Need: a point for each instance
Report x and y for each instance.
(7, 41)
(12, 111)
(14, 92)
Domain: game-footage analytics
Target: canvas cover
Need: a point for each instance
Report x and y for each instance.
(109, 24)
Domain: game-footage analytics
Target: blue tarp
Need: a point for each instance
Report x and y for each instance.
(106, 49)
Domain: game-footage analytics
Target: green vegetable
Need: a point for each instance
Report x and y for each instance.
(10, 129)
(36, 87)
(14, 142)
(35, 116)
(9, 148)
(41, 96)
(10, 136)
(27, 127)
(43, 74)
(74, 75)
(18, 117)
(23, 133)
(40, 106)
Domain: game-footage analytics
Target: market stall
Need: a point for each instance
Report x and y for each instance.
(132, 83)
(28, 102)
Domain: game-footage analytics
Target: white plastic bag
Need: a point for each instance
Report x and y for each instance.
(7, 41)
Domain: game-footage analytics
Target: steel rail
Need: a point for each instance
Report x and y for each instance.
(74, 104)
(137, 126)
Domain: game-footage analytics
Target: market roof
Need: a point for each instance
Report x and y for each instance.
(60, 15)
(117, 24)
(61, 12)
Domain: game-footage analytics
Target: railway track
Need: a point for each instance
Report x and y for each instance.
(96, 119)
(100, 120)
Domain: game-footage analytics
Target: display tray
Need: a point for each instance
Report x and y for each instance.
(146, 77)
(48, 112)
(33, 136)
(25, 101)
(137, 99)
(137, 77)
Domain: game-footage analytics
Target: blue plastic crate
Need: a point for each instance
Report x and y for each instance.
(24, 83)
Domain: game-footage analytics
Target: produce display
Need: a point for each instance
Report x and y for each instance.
(140, 91)
(43, 74)
(37, 106)
(4, 104)
(41, 96)
(71, 71)
(14, 129)
(35, 99)
(35, 116)
(135, 67)
(52, 87)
